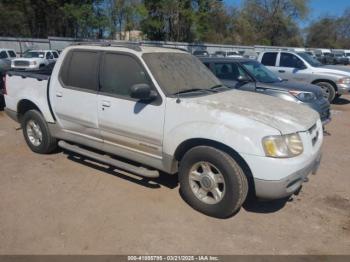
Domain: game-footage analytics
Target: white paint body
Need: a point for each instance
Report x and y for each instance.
(239, 120)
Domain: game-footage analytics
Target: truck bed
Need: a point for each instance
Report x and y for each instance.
(28, 86)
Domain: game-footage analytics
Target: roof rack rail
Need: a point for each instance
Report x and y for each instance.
(131, 45)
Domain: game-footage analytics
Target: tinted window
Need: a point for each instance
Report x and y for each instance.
(80, 70)
(12, 54)
(289, 60)
(3, 54)
(49, 55)
(269, 59)
(119, 73)
(228, 71)
(55, 54)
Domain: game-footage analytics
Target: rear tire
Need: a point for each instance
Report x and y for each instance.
(328, 89)
(212, 182)
(37, 134)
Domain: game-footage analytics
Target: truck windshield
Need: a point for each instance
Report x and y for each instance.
(179, 72)
(308, 58)
(260, 72)
(34, 55)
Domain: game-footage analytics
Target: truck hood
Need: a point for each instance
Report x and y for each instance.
(287, 117)
(340, 71)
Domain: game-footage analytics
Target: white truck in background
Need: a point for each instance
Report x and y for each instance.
(34, 60)
(164, 110)
(301, 67)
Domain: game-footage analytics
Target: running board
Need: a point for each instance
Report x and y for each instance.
(109, 161)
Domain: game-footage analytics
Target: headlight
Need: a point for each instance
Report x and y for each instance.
(33, 62)
(345, 80)
(303, 96)
(283, 146)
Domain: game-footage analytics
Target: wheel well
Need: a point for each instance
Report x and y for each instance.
(188, 144)
(326, 80)
(24, 106)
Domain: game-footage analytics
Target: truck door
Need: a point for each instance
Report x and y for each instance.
(291, 67)
(128, 127)
(74, 94)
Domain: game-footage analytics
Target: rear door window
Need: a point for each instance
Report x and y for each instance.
(269, 59)
(119, 73)
(80, 70)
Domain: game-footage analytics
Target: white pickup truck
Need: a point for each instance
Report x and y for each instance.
(164, 110)
(35, 60)
(301, 67)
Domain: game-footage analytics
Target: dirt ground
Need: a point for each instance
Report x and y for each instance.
(58, 204)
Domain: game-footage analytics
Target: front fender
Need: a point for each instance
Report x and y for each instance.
(246, 142)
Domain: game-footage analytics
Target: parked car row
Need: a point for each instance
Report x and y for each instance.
(250, 75)
(164, 110)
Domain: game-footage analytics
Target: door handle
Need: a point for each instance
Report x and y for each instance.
(106, 104)
(281, 71)
(59, 94)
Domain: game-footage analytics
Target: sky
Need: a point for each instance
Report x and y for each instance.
(317, 8)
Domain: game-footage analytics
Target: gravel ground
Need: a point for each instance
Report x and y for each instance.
(59, 204)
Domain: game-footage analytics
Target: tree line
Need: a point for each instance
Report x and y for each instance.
(256, 22)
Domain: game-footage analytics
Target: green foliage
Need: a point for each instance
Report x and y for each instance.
(330, 32)
(265, 22)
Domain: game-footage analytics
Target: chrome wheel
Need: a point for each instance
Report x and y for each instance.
(207, 183)
(34, 133)
(325, 91)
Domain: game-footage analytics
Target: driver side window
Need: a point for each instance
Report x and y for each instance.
(290, 60)
(228, 71)
(49, 55)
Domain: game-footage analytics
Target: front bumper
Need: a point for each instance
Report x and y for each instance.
(267, 189)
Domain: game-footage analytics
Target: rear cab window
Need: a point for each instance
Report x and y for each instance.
(80, 70)
(269, 59)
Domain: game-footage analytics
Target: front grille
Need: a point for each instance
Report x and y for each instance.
(21, 63)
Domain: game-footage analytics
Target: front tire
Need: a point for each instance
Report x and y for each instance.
(212, 182)
(37, 134)
(328, 90)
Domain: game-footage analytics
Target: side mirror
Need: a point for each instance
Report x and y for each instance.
(142, 92)
(243, 79)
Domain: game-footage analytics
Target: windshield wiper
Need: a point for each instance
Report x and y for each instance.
(190, 91)
(213, 88)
